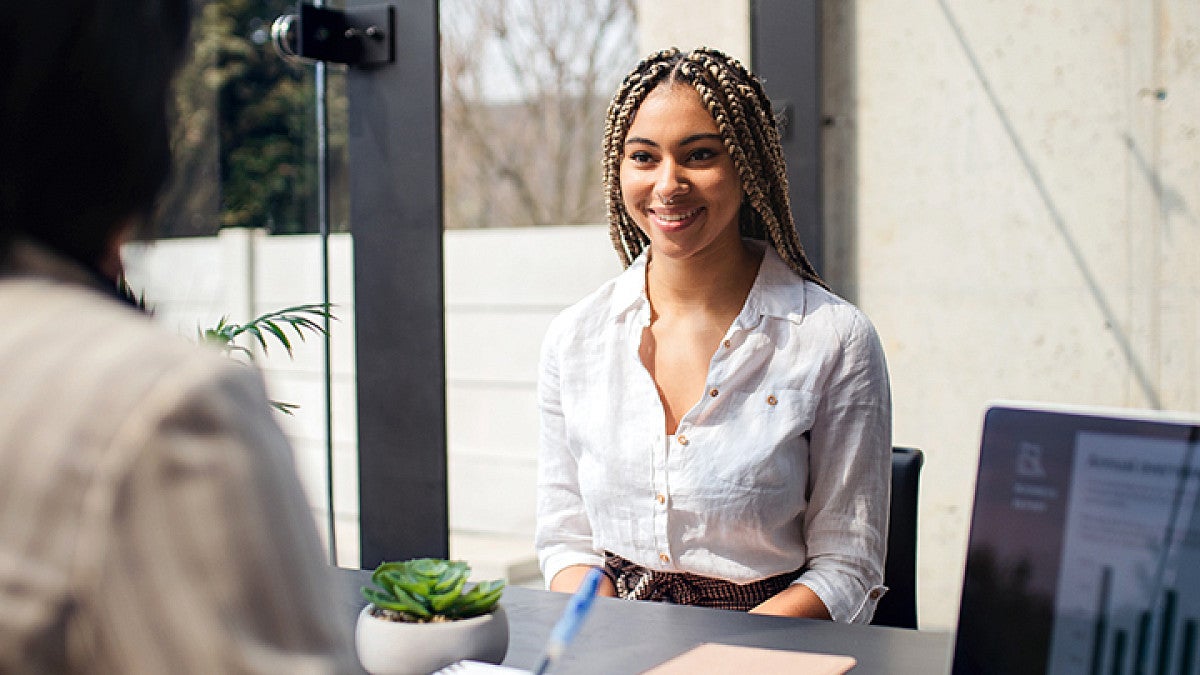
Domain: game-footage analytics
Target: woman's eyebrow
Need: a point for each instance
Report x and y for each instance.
(694, 138)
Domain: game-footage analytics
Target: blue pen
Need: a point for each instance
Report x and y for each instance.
(572, 618)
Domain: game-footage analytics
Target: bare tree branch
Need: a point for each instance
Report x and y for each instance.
(526, 84)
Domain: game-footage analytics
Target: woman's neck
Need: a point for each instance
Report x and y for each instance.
(714, 282)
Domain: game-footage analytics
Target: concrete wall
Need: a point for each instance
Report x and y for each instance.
(1022, 204)
(687, 24)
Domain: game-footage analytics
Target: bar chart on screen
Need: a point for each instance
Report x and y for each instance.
(1128, 596)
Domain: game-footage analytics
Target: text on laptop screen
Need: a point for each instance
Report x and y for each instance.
(1084, 553)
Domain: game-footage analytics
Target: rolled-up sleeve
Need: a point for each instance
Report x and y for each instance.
(850, 480)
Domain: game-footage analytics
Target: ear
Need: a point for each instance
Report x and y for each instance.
(110, 263)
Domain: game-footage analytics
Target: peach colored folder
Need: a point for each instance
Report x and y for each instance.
(716, 659)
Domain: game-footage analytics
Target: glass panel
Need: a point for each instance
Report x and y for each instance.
(261, 172)
(525, 88)
(245, 167)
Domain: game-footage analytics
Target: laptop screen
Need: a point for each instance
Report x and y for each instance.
(1084, 552)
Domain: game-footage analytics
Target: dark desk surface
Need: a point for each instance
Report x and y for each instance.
(628, 637)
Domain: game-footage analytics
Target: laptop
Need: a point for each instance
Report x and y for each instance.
(1084, 551)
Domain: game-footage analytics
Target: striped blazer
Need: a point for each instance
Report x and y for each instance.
(151, 520)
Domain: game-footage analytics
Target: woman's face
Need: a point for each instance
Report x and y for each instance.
(678, 182)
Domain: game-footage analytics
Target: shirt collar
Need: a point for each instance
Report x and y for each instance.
(629, 289)
(29, 258)
(775, 292)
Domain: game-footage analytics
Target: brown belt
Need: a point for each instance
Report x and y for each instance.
(634, 582)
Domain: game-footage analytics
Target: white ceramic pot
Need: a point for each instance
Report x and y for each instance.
(395, 648)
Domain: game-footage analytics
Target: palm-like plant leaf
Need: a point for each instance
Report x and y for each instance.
(301, 319)
(285, 408)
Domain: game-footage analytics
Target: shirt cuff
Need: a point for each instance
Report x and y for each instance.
(844, 605)
(553, 562)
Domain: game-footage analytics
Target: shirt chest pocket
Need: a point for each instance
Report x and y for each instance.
(765, 445)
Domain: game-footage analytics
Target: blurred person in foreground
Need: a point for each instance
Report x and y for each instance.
(151, 520)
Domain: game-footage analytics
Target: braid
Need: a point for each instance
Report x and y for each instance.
(627, 238)
(738, 104)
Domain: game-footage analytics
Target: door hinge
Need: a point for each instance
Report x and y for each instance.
(362, 36)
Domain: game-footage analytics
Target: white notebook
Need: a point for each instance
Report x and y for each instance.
(479, 668)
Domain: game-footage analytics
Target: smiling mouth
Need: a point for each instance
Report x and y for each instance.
(676, 217)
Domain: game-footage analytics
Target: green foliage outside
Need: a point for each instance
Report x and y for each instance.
(259, 109)
(263, 103)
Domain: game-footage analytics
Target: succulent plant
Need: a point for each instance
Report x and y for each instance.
(429, 589)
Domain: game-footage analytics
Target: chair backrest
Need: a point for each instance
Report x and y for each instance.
(899, 606)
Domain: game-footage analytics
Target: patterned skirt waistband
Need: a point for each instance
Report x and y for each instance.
(634, 582)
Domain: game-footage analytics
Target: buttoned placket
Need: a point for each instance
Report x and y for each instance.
(657, 443)
(676, 450)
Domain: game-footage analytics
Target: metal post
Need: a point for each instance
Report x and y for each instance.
(785, 38)
(323, 223)
(395, 221)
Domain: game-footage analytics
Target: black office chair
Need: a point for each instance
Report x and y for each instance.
(899, 606)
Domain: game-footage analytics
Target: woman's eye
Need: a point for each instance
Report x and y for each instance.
(702, 154)
(640, 157)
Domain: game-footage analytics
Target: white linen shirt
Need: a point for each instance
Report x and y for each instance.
(783, 463)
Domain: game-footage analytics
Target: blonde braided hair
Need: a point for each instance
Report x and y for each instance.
(736, 100)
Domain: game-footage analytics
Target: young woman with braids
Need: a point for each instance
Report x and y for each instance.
(716, 424)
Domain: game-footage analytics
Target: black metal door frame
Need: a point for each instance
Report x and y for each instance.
(785, 44)
(396, 226)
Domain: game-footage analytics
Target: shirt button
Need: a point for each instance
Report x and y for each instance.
(682, 439)
(713, 393)
(664, 557)
(876, 593)
(726, 344)
(771, 400)
(662, 499)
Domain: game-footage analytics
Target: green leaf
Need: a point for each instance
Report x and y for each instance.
(400, 603)
(376, 596)
(451, 579)
(254, 331)
(285, 408)
(278, 333)
(440, 601)
(431, 567)
(436, 585)
(489, 587)
(479, 600)
(385, 568)
(300, 317)
(466, 610)
(411, 603)
(409, 582)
